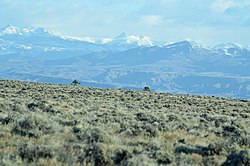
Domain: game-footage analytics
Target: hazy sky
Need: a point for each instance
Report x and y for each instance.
(205, 21)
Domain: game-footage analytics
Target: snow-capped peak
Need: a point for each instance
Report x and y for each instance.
(228, 46)
(186, 43)
(197, 45)
(83, 39)
(9, 29)
(12, 30)
(39, 31)
(230, 49)
(89, 39)
(124, 39)
(105, 40)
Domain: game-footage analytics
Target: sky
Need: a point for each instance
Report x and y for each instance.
(206, 21)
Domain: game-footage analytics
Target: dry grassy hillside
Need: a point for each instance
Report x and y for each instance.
(43, 124)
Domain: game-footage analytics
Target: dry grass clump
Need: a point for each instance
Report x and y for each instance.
(45, 124)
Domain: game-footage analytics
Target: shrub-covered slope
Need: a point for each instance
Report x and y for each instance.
(43, 124)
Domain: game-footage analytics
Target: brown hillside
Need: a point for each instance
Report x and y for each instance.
(44, 124)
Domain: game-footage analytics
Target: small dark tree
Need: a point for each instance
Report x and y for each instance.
(75, 83)
(146, 88)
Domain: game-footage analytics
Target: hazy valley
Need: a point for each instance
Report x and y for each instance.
(127, 61)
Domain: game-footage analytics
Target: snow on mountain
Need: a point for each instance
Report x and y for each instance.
(187, 43)
(41, 40)
(104, 40)
(89, 39)
(178, 45)
(12, 30)
(228, 46)
(44, 39)
(39, 32)
(132, 40)
(8, 30)
(232, 49)
(125, 61)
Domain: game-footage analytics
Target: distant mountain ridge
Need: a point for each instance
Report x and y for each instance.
(29, 35)
(12, 33)
(126, 61)
(12, 30)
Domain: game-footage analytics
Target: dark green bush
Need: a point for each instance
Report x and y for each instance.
(163, 157)
(32, 126)
(213, 149)
(241, 158)
(121, 156)
(32, 106)
(6, 120)
(34, 153)
(231, 131)
(93, 154)
(75, 83)
(150, 130)
(210, 150)
(145, 117)
(210, 160)
(134, 130)
(68, 122)
(92, 135)
(147, 88)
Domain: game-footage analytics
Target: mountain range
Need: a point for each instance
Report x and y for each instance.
(126, 61)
